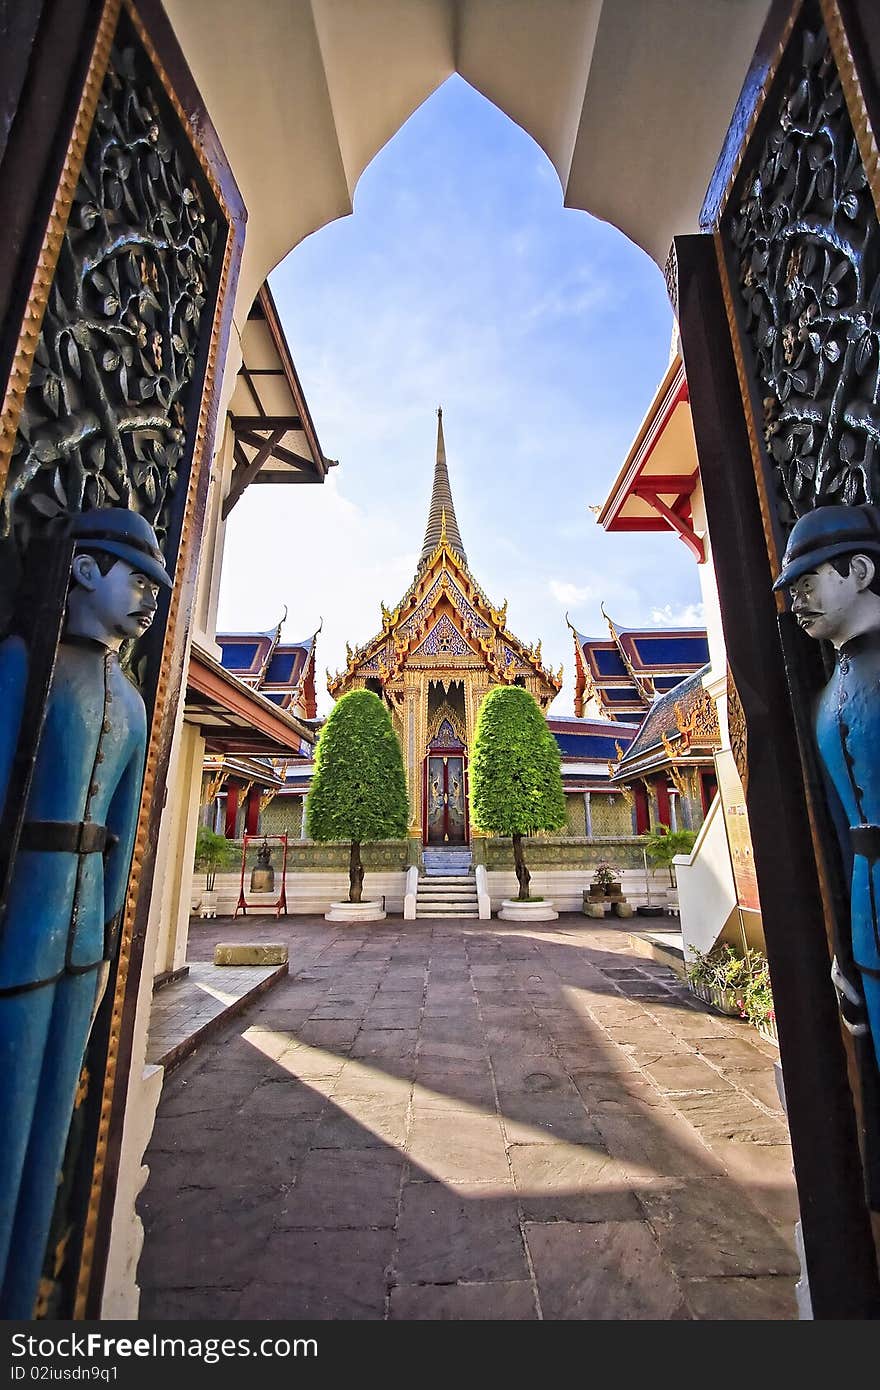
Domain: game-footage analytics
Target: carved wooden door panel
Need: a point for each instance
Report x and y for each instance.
(456, 811)
(777, 304)
(435, 807)
(116, 282)
(445, 799)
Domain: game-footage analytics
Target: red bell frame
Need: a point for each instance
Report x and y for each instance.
(281, 905)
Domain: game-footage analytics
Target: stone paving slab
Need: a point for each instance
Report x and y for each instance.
(186, 1011)
(458, 1121)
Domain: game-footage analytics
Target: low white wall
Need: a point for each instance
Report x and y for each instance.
(411, 895)
(312, 892)
(706, 891)
(484, 902)
(307, 892)
(566, 887)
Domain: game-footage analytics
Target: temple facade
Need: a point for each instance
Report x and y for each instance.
(438, 653)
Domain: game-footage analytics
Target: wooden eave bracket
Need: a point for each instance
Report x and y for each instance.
(674, 516)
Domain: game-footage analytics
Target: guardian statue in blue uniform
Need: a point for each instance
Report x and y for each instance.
(57, 935)
(831, 567)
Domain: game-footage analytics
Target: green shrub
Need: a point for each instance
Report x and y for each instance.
(663, 844)
(515, 773)
(744, 976)
(213, 853)
(358, 792)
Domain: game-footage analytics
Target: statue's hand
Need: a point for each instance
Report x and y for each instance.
(850, 1001)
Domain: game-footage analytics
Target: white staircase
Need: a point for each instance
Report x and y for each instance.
(448, 887)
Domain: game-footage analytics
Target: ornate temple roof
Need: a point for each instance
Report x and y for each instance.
(625, 671)
(680, 727)
(444, 619)
(590, 740)
(442, 510)
(283, 672)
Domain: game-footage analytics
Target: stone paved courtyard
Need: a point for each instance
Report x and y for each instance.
(467, 1120)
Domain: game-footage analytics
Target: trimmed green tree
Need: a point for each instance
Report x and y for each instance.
(358, 792)
(663, 844)
(515, 773)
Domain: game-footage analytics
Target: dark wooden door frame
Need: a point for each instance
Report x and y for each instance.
(46, 64)
(445, 753)
(836, 1226)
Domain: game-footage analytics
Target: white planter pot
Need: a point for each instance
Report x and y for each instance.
(514, 911)
(208, 904)
(356, 912)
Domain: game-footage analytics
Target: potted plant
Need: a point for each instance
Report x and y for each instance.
(736, 983)
(605, 882)
(213, 853)
(358, 792)
(516, 785)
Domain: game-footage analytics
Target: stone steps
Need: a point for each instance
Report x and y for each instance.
(447, 895)
(446, 863)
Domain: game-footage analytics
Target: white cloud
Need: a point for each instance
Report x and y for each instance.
(685, 615)
(321, 554)
(570, 595)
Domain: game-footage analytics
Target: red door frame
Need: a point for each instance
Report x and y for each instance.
(459, 752)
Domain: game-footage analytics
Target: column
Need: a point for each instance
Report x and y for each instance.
(661, 787)
(232, 791)
(642, 814)
(588, 816)
(252, 813)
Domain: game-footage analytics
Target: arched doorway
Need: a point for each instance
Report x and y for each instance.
(317, 103)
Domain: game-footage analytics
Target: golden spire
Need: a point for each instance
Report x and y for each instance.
(442, 523)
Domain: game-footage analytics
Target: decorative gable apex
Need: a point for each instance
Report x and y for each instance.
(444, 639)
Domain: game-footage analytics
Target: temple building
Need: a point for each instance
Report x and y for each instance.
(669, 766)
(438, 653)
(238, 786)
(595, 807)
(619, 676)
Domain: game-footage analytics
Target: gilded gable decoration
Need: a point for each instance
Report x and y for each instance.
(444, 639)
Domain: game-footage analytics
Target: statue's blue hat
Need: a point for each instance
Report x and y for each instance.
(118, 531)
(825, 533)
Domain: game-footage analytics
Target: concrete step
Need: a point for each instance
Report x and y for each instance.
(435, 890)
(666, 947)
(442, 863)
(448, 885)
(446, 880)
(447, 912)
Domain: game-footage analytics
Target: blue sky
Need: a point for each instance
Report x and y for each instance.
(461, 281)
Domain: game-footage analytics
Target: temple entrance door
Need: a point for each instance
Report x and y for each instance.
(445, 799)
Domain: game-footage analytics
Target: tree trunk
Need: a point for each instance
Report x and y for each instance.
(522, 874)
(355, 873)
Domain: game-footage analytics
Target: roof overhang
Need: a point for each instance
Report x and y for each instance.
(653, 490)
(275, 440)
(245, 768)
(233, 718)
